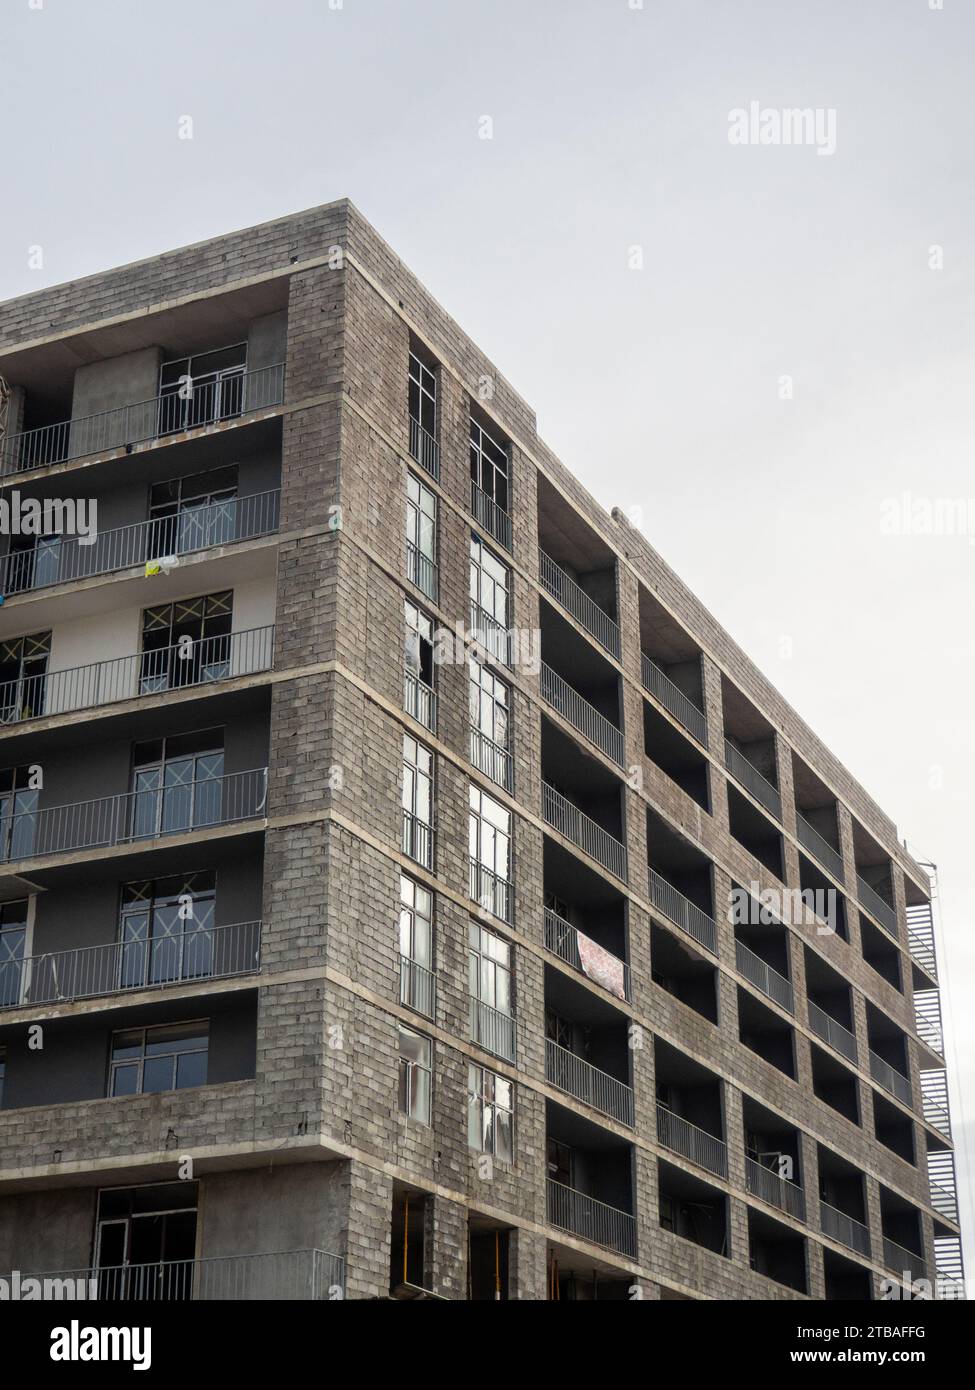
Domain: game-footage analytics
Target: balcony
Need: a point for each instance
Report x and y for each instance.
(420, 701)
(682, 912)
(209, 660)
(576, 826)
(417, 839)
(582, 715)
(92, 972)
(681, 1137)
(490, 517)
(934, 1101)
(879, 910)
(135, 816)
(579, 1078)
(493, 1030)
(296, 1275)
(752, 780)
(762, 1182)
(586, 955)
(892, 1080)
(490, 891)
(424, 448)
(417, 986)
(920, 937)
(491, 759)
(67, 560)
(594, 1221)
(673, 699)
(578, 604)
(763, 977)
(849, 1232)
(905, 1263)
(213, 402)
(927, 1019)
(832, 1032)
(821, 850)
(422, 571)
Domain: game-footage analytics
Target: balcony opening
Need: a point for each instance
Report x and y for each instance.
(683, 973)
(903, 1234)
(580, 685)
(835, 1084)
(672, 667)
(894, 1129)
(875, 885)
(889, 1064)
(585, 920)
(487, 1260)
(830, 1006)
(690, 1109)
(842, 1201)
(762, 948)
(764, 1032)
(773, 1159)
(821, 900)
(846, 1281)
(755, 832)
(880, 953)
(423, 384)
(411, 1215)
(490, 456)
(589, 1181)
(577, 568)
(679, 757)
(587, 1051)
(817, 826)
(692, 1209)
(920, 934)
(144, 1244)
(777, 1251)
(681, 882)
(570, 1278)
(582, 800)
(749, 749)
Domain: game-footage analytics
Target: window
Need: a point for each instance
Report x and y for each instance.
(489, 846)
(419, 699)
(423, 415)
(196, 390)
(13, 940)
(416, 946)
(490, 583)
(489, 465)
(490, 724)
(18, 805)
(186, 643)
(166, 930)
(192, 513)
(177, 783)
(492, 993)
(421, 536)
(415, 1070)
(417, 801)
(23, 664)
(490, 1114)
(145, 1241)
(169, 1058)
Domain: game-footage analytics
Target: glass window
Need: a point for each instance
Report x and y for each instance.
(490, 969)
(490, 582)
(489, 703)
(421, 518)
(419, 644)
(423, 394)
(415, 921)
(490, 1115)
(23, 665)
(489, 830)
(489, 465)
(168, 1058)
(186, 643)
(415, 1070)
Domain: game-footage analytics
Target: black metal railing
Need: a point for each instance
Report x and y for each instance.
(576, 826)
(581, 714)
(577, 602)
(682, 912)
(752, 780)
(673, 699)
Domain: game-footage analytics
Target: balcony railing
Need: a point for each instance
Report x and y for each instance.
(827, 1028)
(673, 699)
(763, 977)
(493, 1030)
(203, 662)
(576, 601)
(422, 571)
(489, 516)
(424, 448)
(493, 760)
(90, 972)
(297, 1275)
(495, 639)
(417, 840)
(777, 1191)
(576, 826)
(134, 816)
(949, 1268)
(944, 1201)
(586, 955)
(927, 1019)
(942, 1183)
(67, 560)
(881, 912)
(490, 891)
(702, 1148)
(920, 937)
(934, 1100)
(581, 714)
(890, 1078)
(752, 780)
(211, 402)
(853, 1234)
(682, 912)
(904, 1262)
(417, 986)
(420, 701)
(579, 1078)
(820, 848)
(594, 1221)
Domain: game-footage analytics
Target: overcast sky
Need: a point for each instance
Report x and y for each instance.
(663, 387)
